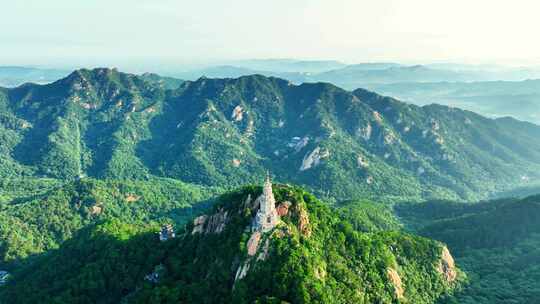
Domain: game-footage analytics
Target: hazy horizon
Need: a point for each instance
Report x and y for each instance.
(66, 34)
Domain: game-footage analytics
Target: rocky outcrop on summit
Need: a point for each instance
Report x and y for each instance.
(313, 254)
(277, 240)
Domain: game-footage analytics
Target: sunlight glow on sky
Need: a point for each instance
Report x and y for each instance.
(68, 32)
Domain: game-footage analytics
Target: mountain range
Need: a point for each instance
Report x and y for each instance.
(519, 99)
(94, 165)
(341, 144)
(490, 90)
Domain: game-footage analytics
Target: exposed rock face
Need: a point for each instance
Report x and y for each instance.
(198, 223)
(362, 162)
(236, 162)
(377, 116)
(96, 209)
(365, 133)
(26, 125)
(215, 223)
(447, 266)
(283, 208)
(313, 159)
(267, 217)
(369, 180)
(238, 113)
(253, 243)
(303, 222)
(242, 271)
(130, 198)
(395, 279)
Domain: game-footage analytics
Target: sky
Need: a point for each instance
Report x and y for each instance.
(66, 33)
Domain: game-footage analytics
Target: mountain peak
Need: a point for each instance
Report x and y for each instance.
(84, 73)
(309, 247)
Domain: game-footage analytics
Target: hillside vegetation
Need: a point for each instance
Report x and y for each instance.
(497, 243)
(226, 132)
(311, 256)
(33, 224)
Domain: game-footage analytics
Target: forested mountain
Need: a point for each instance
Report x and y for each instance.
(497, 243)
(493, 91)
(226, 132)
(365, 75)
(37, 215)
(311, 255)
(93, 164)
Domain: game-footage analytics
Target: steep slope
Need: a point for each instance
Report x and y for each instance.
(81, 124)
(46, 214)
(341, 144)
(310, 256)
(497, 243)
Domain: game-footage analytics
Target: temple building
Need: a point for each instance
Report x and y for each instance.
(266, 217)
(166, 233)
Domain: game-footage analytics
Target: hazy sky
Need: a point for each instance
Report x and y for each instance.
(119, 32)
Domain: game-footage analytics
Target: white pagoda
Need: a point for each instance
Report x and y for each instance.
(267, 217)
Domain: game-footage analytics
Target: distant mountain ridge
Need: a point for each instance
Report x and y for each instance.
(489, 90)
(492, 91)
(12, 76)
(352, 76)
(107, 124)
(519, 99)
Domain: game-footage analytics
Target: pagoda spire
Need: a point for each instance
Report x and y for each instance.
(266, 217)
